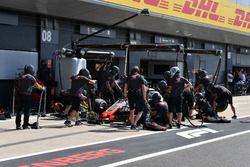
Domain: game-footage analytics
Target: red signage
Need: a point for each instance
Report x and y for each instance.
(242, 19)
(220, 13)
(75, 159)
(155, 3)
(206, 9)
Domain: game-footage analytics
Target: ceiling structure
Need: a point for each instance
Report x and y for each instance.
(99, 12)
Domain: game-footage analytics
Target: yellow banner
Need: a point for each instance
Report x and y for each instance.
(221, 13)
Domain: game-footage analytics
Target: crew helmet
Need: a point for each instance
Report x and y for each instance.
(156, 97)
(43, 64)
(166, 75)
(135, 69)
(199, 96)
(85, 72)
(29, 69)
(162, 85)
(202, 74)
(174, 71)
(114, 70)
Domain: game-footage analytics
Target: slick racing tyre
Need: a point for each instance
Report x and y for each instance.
(222, 106)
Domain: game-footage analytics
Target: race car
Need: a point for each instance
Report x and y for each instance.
(118, 112)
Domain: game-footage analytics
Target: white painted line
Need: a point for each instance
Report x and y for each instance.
(83, 145)
(89, 144)
(190, 134)
(174, 150)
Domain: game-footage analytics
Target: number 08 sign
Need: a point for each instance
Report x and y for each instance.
(220, 13)
(49, 36)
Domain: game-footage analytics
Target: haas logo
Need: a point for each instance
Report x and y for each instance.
(149, 2)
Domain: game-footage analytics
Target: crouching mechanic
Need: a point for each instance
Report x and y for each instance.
(158, 117)
(163, 86)
(220, 97)
(217, 95)
(25, 84)
(78, 84)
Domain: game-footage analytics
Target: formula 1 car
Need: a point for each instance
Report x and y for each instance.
(118, 112)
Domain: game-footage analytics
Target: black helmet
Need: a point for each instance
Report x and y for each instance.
(114, 70)
(85, 72)
(166, 75)
(43, 64)
(135, 69)
(199, 96)
(156, 97)
(29, 69)
(202, 74)
(162, 85)
(206, 82)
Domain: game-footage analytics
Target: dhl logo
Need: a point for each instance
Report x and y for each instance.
(164, 4)
(222, 13)
(206, 9)
(242, 19)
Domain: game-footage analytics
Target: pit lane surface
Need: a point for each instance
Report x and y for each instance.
(208, 146)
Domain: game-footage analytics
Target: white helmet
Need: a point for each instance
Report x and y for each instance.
(173, 71)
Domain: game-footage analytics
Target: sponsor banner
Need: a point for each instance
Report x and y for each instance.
(220, 13)
(75, 159)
